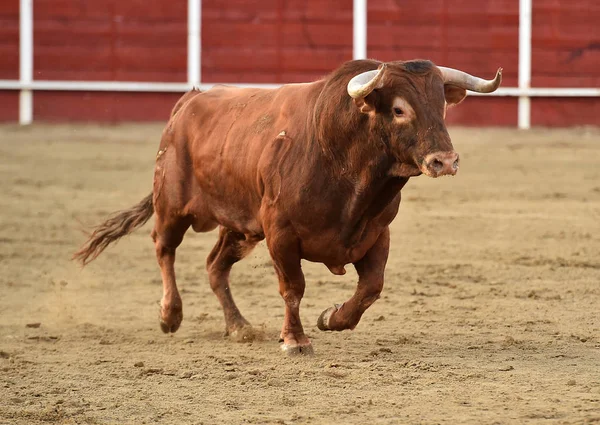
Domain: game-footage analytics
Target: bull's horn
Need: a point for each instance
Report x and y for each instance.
(361, 85)
(466, 81)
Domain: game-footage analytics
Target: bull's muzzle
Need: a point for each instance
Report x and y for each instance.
(441, 164)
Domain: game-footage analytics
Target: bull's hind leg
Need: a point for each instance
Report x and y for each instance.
(370, 271)
(230, 248)
(167, 237)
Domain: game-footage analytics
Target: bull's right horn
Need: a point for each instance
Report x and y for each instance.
(361, 85)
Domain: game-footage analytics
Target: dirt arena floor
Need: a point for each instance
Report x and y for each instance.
(490, 314)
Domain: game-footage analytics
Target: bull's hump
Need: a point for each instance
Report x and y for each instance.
(233, 91)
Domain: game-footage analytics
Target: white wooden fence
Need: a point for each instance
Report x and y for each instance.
(26, 84)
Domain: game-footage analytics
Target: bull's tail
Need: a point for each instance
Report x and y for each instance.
(118, 225)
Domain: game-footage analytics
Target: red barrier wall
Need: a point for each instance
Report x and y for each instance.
(9, 58)
(278, 41)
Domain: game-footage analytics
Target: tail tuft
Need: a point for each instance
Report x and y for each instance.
(118, 225)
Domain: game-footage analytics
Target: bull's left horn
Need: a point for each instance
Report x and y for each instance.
(361, 85)
(469, 82)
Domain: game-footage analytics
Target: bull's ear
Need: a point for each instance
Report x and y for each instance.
(454, 94)
(367, 104)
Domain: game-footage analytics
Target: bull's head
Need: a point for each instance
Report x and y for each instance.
(407, 103)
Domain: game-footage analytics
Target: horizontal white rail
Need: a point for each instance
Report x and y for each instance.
(125, 86)
(118, 86)
(543, 92)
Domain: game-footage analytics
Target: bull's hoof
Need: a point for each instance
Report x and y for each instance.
(234, 326)
(296, 344)
(172, 327)
(170, 320)
(297, 349)
(245, 333)
(323, 321)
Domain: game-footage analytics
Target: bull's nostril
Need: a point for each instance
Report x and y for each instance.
(455, 165)
(437, 165)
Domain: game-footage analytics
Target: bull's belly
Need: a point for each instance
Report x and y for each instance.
(209, 211)
(220, 199)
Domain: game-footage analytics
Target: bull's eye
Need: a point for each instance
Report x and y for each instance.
(398, 112)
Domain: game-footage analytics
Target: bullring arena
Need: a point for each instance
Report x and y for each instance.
(489, 313)
(490, 309)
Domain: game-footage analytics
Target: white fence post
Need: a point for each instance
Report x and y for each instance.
(524, 121)
(193, 48)
(359, 39)
(25, 61)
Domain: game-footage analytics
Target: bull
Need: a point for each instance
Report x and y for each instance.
(315, 169)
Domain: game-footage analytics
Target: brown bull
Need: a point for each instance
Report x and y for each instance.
(315, 169)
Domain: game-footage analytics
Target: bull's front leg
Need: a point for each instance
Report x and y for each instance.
(284, 250)
(370, 271)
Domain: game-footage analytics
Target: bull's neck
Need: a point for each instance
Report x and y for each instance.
(358, 168)
(353, 151)
(344, 147)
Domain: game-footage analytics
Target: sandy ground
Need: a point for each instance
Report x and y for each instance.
(490, 312)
